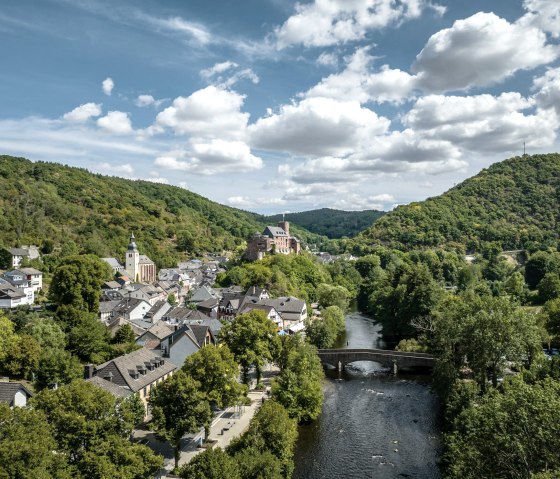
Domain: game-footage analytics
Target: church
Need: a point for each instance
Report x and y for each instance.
(138, 267)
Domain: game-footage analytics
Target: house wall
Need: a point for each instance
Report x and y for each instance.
(20, 399)
(181, 349)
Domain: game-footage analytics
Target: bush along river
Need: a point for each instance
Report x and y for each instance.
(373, 424)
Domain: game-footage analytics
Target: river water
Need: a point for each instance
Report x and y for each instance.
(373, 425)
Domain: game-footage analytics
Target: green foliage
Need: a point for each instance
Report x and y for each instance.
(22, 356)
(331, 223)
(82, 212)
(125, 334)
(482, 334)
(27, 445)
(47, 333)
(91, 433)
(298, 387)
(117, 458)
(324, 331)
(507, 434)
(57, 366)
(253, 339)
(513, 203)
(404, 293)
(77, 282)
(211, 464)
(7, 336)
(89, 340)
(538, 265)
(549, 287)
(254, 464)
(179, 407)
(329, 295)
(217, 372)
(411, 345)
(270, 430)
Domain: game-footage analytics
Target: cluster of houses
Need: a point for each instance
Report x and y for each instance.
(173, 313)
(19, 286)
(174, 316)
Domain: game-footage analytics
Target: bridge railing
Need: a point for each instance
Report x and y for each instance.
(383, 352)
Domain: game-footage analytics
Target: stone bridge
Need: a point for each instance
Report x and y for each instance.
(394, 360)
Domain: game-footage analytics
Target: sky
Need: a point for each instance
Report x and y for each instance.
(280, 106)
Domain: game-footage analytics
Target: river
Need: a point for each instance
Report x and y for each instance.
(373, 425)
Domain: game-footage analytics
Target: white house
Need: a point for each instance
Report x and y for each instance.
(14, 394)
(131, 309)
(34, 277)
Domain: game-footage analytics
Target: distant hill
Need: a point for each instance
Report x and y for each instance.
(46, 201)
(515, 202)
(331, 223)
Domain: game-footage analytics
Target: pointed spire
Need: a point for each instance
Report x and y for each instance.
(132, 245)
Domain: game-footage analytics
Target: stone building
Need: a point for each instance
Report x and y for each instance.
(273, 240)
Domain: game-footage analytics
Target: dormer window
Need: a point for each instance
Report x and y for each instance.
(134, 374)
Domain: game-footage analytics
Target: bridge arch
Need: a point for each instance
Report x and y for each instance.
(393, 360)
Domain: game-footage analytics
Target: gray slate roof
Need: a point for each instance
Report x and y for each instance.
(9, 390)
(110, 387)
(274, 231)
(18, 252)
(134, 362)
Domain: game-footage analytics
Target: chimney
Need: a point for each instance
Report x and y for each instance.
(89, 369)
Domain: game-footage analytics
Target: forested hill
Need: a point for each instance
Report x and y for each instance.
(515, 203)
(331, 223)
(46, 202)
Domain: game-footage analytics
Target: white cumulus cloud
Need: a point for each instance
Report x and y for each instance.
(211, 113)
(330, 22)
(543, 14)
(84, 112)
(211, 157)
(147, 100)
(108, 86)
(116, 122)
(317, 127)
(478, 51)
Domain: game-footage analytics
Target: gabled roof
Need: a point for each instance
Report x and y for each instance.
(261, 307)
(113, 263)
(136, 361)
(160, 330)
(110, 285)
(18, 251)
(286, 304)
(8, 391)
(128, 304)
(108, 306)
(274, 231)
(145, 260)
(202, 294)
(31, 271)
(255, 291)
(200, 331)
(110, 387)
(197, 316)
(11, 292)
(208, 304)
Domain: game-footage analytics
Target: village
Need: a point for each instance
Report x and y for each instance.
(173, 313)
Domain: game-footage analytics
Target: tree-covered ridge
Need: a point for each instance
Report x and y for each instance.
(331, 223)
(40, 201)
(515, 203)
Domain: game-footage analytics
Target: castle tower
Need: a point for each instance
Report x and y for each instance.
(285, 225)
(133, 260)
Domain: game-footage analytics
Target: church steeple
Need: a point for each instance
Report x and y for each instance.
(132, 262)
(132, 245)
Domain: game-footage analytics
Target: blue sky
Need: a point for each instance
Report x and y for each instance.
(273, 105)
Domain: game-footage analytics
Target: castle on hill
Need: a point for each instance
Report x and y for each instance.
(273, 240)
(138, 267)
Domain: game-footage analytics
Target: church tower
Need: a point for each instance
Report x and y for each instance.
(133, 260)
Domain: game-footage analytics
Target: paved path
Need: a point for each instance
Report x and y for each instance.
(224, 428)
